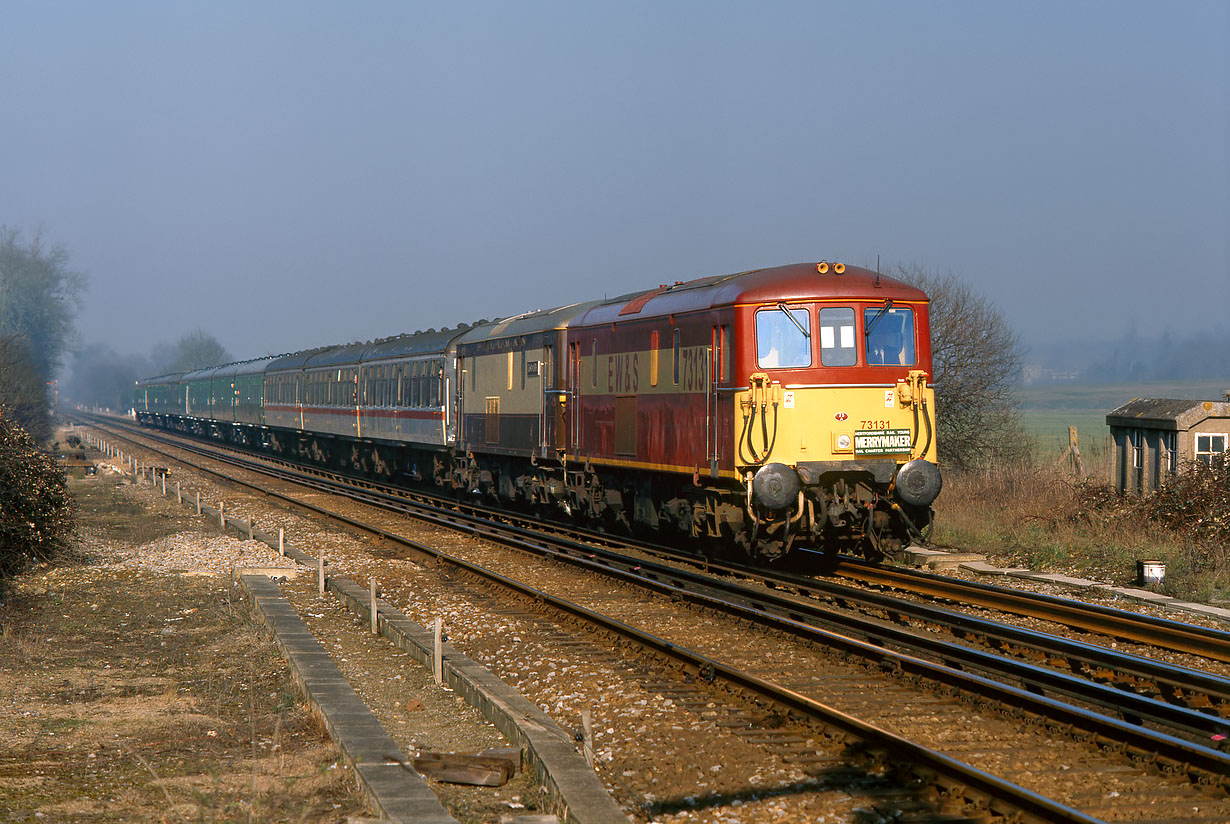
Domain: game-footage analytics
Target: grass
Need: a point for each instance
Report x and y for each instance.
(1042, 517)
(150, 698)
(1047, 411)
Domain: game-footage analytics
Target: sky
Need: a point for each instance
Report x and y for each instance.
(290, 174)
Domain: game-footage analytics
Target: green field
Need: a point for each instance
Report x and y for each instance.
(1048, 411)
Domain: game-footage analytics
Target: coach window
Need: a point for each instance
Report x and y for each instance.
(783, 337)
(890, 336)
(594, 370)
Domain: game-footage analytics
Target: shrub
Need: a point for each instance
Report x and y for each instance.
(1194, 504)
(36, 518)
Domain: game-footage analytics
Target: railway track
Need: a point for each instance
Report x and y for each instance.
(918, 686)
(1136, 689)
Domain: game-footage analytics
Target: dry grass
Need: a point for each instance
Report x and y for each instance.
(1042, 517)
(127, 695)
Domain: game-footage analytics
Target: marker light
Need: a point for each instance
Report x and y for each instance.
(843, 441)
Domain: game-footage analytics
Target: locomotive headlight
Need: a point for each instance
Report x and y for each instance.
(842, 442)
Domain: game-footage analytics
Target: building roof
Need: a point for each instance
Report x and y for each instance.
(1166, 413)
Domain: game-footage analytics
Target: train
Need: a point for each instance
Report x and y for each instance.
(761, 411)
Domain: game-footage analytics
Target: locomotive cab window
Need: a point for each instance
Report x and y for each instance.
(890, 336)
(783, 337)
(837, 337)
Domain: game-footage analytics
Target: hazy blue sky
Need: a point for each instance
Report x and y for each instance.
(291, 174)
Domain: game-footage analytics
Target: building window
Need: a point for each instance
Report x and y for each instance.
(1209, 447)
(1138, 451)
(1170, 445)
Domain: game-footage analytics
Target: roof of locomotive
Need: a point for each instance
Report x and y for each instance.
(797, 281)
(539, 320)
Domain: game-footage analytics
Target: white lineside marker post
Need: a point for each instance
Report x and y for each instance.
(281, 542)
(251, 535)
(587, 730)
(371, 585)
(198, 502)
(164, 484)
(222, 515)
(438, 656)
(320, 570)
(179, 494)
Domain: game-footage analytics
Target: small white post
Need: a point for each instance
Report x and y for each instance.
(164, 484)
(179, 494)
(371, 585)
(282, 542)
(587, 728)
(198, 502)
(320, 570)
(222, 515)
(251, 535)
(439, 650)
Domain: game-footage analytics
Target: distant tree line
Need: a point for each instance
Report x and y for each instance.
(1195, 356)
(100, 376)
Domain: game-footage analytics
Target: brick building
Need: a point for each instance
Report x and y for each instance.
(1153, 437)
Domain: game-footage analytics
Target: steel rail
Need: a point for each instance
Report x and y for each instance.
(1178, 751)
(1174, 681)
(1103, 620)
(959, 776)
(1073, 652)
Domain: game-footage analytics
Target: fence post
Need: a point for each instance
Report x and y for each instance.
(439, 650)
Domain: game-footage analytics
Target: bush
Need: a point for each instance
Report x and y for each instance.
(36, 517)
(1194, 504)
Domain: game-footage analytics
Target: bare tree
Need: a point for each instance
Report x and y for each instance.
(976, 373)
(196, 350)
(39, 297)
(23, 389)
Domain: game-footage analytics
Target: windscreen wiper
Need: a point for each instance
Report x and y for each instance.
(888, 304)
(795, 320)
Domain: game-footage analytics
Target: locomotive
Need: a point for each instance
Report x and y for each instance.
(762, 410)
